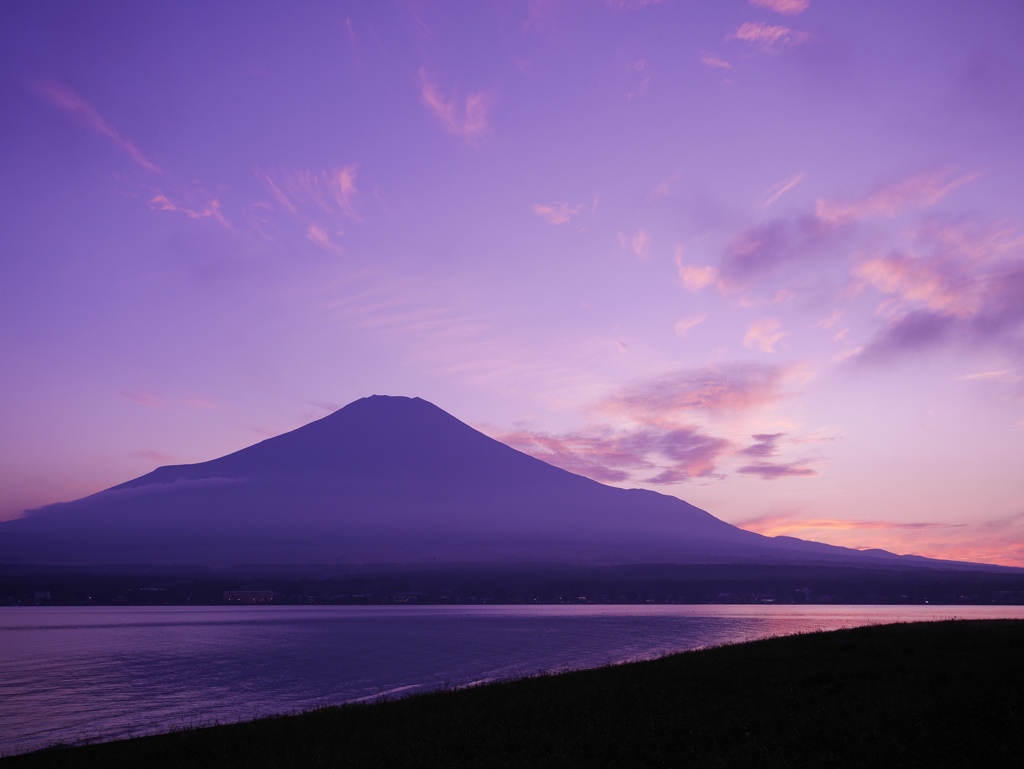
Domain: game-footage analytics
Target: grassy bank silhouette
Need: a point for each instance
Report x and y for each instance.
(932, 694)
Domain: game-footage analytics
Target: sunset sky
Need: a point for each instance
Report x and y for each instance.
(763, 255)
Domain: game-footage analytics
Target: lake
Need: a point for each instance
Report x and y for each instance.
(76, 674)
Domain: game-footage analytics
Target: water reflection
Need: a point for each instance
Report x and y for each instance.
(100, 672)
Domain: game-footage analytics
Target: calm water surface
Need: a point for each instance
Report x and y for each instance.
(74, 674)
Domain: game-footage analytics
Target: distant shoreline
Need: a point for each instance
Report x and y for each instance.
(457, 584)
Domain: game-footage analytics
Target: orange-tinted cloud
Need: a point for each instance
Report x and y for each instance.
(774, 525)
(467, 120)
(63, 96)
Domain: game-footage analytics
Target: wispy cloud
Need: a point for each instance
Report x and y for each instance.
(330, 191)
(769, 38)
(726, 388)
(948, 291)
(916, 192)
(764, 334)
(631, 5)
(715, 61)
(685, 324)
(318, 235)
(779, 190)
(639, 243)
(764, 445)
(787, 7)
(64, 97)
(1005, 375)
(144, 397)
(559, 213)
(210, 211)
(150, 455)
(468, 119)
(674, 455)
(941, 286)
(276, 191)
(774, 525)
(768, 471)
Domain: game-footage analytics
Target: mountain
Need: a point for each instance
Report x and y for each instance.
(396, 480)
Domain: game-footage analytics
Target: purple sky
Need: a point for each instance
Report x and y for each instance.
(765, 255)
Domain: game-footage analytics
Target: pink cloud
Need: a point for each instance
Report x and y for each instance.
(787, 7)
(559, 213)
(318, 235)
(692, 276)
(332, 190)
(764, 334)
(65, 98)
(675, 455)
(715, 61)
(769, 38)
(941, 287)
(468, 121)
(965, 289)
(727, 388)
(685, 324)
(211, 211)
(639, 243)
(916, 192)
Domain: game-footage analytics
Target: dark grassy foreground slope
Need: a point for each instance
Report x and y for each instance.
(925, 694)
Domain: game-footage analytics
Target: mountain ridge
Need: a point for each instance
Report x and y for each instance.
(389, 479)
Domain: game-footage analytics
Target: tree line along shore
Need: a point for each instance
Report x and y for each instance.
(931, 694)
(510, 584)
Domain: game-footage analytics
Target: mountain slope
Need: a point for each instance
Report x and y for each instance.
(386, 479)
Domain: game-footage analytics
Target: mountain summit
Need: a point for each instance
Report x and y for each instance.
(387, 479)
